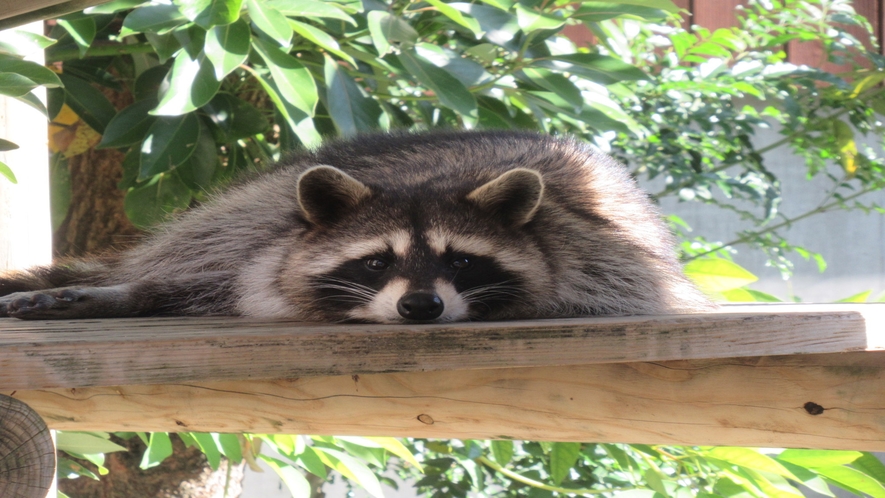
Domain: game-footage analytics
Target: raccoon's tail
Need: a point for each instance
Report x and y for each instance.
(62, 274)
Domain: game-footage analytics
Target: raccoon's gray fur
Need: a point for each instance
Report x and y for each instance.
(394, 228)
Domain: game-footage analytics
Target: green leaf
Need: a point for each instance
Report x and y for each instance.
(563, 457)
(152, 203)
(601, 69)
(500, 27)
(818, 458)
(530, 20)
(159, 447)
(762, 297)
(447, 88)
(860, 297)
(209, 448)
(6, 145)
(502, 450)
(751, 459)
(227, 47)
(718, 275)
(168, 143)
(297, 484)
(311, 461)
(455, 15)
(198, 171)
(853, 480)
(655, 480)
(666, 5)
(556, 83)
(148, 84)
(88, 102)
(351, 109)
(83, 443)
(270, 21)
(129, 126)
(601, 11)
(230, 446)
(191, 85)
(397, 448)
(22, 43)
(309, 8)
(386, 29)
(153, 18)
(113, 6)
(81, 29)
(41, 75)
(165, 45)
(299, 121)
(292, 79)
(871, 466)
(353, 469)
(7, 173)
(209, 13)
(15, 85)
(320, 38)
(235, 117)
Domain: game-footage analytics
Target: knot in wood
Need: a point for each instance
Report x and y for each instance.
(813, 408)
(425, 419)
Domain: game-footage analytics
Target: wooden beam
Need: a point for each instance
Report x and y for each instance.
(85, 353)
(17, 12)
(819, 401)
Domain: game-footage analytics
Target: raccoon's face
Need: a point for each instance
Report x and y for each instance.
(378, 256)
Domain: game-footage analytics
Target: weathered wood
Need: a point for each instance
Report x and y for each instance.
(27, 453)
(821, 401)
(87, 353)
(17, 12)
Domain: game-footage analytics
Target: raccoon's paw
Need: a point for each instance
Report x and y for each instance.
(55, 303)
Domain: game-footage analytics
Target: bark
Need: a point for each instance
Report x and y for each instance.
(186, 474)
(96, 223)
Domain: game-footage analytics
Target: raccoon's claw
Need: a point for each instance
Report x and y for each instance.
(36, 305)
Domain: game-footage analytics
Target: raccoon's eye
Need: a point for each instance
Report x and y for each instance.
(376, 264)
(462, 263)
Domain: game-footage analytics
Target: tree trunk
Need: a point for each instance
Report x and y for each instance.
(96, 223)
(186, 474)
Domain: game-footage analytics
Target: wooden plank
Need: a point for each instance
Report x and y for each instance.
(85, 353)
(17, 12)
(820, 401)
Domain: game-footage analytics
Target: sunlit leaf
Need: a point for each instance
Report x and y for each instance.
(294, 480)
(718, 275)
(292, 79)
(502, 450)
(83, 443)
(159, 448)
(270, 21)
(563, 457)
(227, 47)
(191, 85)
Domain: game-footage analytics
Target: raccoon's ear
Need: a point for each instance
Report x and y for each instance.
(326, 193)
(513, 197)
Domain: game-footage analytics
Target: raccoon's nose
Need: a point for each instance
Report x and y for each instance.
(420, 306)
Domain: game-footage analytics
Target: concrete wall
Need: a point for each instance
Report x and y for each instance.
(851, 242)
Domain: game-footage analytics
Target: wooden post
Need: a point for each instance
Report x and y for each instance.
(27, 452)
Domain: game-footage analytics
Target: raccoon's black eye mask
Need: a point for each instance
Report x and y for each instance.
(456, 263)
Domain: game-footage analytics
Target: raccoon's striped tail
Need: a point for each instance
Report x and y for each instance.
(62, 274)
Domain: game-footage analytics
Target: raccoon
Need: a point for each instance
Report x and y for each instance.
(394, 228)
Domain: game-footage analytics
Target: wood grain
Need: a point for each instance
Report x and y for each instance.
(820, 401)
(84, 353)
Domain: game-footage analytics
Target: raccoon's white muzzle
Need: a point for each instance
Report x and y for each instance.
(396, 303)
